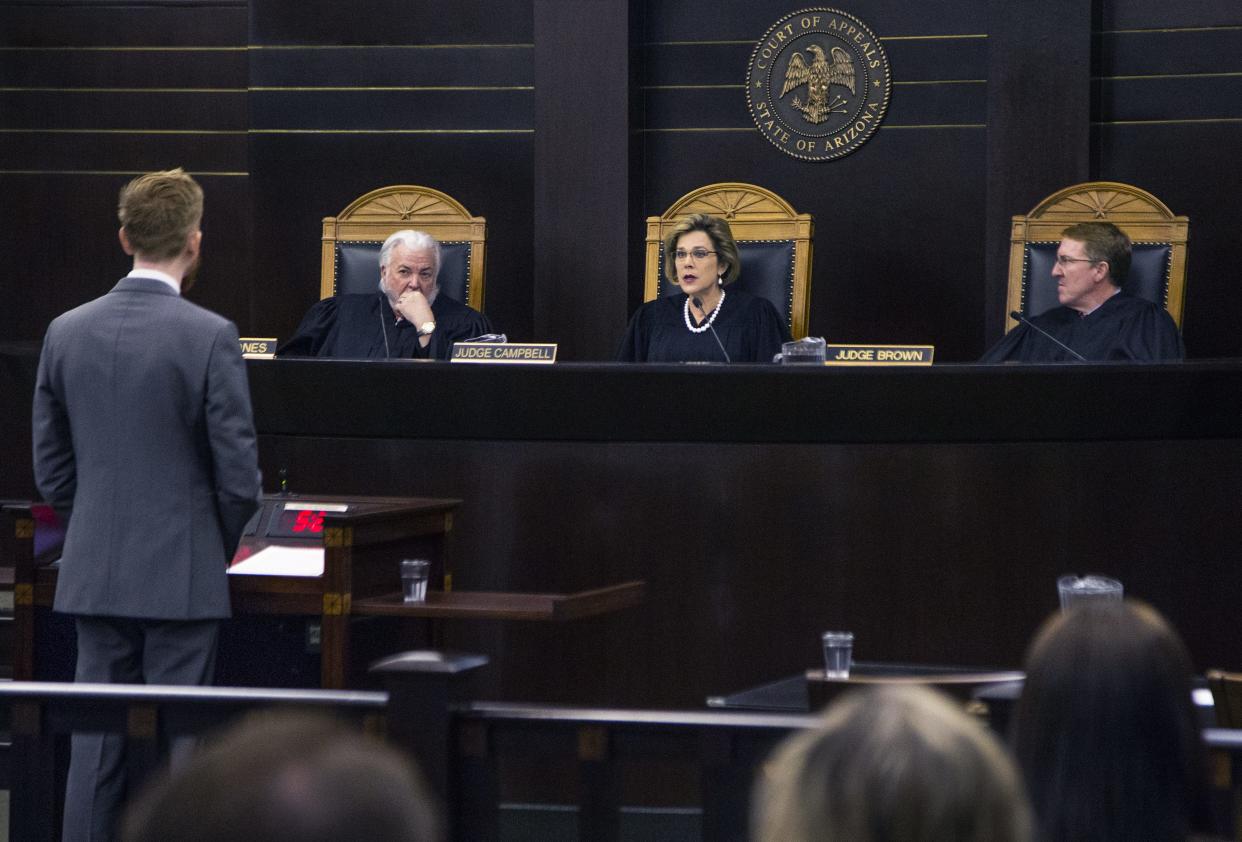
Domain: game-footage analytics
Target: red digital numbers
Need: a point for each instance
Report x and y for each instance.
(308, 521)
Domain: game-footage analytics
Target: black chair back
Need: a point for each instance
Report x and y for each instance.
(1148, 279)
(357, 268)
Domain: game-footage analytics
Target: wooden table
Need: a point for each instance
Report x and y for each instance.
(361, 547)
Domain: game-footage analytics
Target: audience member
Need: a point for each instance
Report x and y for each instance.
(288, 778)
(1105, 733)
(892, 764)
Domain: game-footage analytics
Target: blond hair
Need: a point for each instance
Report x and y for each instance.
(718, 231)
(896, 763)
(159, 211)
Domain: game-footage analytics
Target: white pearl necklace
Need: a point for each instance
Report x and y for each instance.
(690, 325)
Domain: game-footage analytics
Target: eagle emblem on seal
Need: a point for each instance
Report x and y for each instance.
(819, 76)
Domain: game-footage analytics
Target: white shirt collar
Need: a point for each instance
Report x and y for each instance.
(156, 275)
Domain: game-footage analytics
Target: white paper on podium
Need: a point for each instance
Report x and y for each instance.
(281, 561)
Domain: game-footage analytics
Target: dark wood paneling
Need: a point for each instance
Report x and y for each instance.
(870, 284)
(18, 363)
(391, 22)
(86, 152)
(508, 63)
(88, 23)
(931, 550)
(70, 67)
(1162, 98)
(1039, 113)
(1180, 87)
(299, 179)
(928, 553)
(885, 268)
(916, 59)
(400, 110)
(1160, 14)
(1178, 51)
(911, 105)
(309, 161)
(132, 109)
(587, 227)
(684, 20)
(64, 227)
(753, 403)
(1200, 185)
(106, 91)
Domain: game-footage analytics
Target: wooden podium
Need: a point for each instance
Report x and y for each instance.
(362, 539)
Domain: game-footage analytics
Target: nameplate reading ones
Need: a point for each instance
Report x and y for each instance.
(879, 354)
(258, 349)
(505, 352)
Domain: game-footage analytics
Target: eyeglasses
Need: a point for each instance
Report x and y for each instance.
(697, 254)
(1064, 260)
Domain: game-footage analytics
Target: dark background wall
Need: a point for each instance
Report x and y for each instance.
(565, 124)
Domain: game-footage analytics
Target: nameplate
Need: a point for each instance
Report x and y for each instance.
(879, 354)
(504, 352)
(258, 349)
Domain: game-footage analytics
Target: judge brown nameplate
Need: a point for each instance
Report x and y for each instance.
(507, 352)
(879, 354)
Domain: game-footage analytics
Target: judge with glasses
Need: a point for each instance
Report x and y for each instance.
(1098, 321)
(709, 320)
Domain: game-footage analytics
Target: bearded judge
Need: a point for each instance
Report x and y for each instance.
(1097, 318)
(408, 317)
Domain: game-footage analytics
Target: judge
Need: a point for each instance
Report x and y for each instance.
(1097, 318)
(709, 320)
(408, 317)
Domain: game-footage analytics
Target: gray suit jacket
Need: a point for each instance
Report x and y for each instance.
(143, 432)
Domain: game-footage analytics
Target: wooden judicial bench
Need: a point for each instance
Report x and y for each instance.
(362, 538)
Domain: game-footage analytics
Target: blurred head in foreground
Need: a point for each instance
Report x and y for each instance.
(1105, 732)
(287, 777)
(891, 764)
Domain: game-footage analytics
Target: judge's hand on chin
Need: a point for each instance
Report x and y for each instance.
(414, 307)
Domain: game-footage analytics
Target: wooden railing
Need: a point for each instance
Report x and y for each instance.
(472, 753)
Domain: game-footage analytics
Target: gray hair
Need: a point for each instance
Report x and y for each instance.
(898, 762)
(411, 239)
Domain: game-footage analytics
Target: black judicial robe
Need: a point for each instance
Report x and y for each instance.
(749, 328)
(354, 326)
(1123, 328)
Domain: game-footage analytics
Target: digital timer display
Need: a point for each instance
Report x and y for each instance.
(301, 520)
(304, 521)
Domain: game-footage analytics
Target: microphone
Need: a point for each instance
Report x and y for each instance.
(384, 326)
(698, 302)
(1021, 318)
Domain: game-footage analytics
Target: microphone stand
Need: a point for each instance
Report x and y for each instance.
(1017, 316)
(698, 302)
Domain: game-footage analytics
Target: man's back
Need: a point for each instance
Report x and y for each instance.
(154, 453)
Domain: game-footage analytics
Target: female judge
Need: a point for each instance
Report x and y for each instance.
(709, 320)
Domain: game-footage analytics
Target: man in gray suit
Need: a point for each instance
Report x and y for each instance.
(144, 443)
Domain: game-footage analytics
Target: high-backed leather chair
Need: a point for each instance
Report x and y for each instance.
(352, 240)
(1158, 264)
(773, 240)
